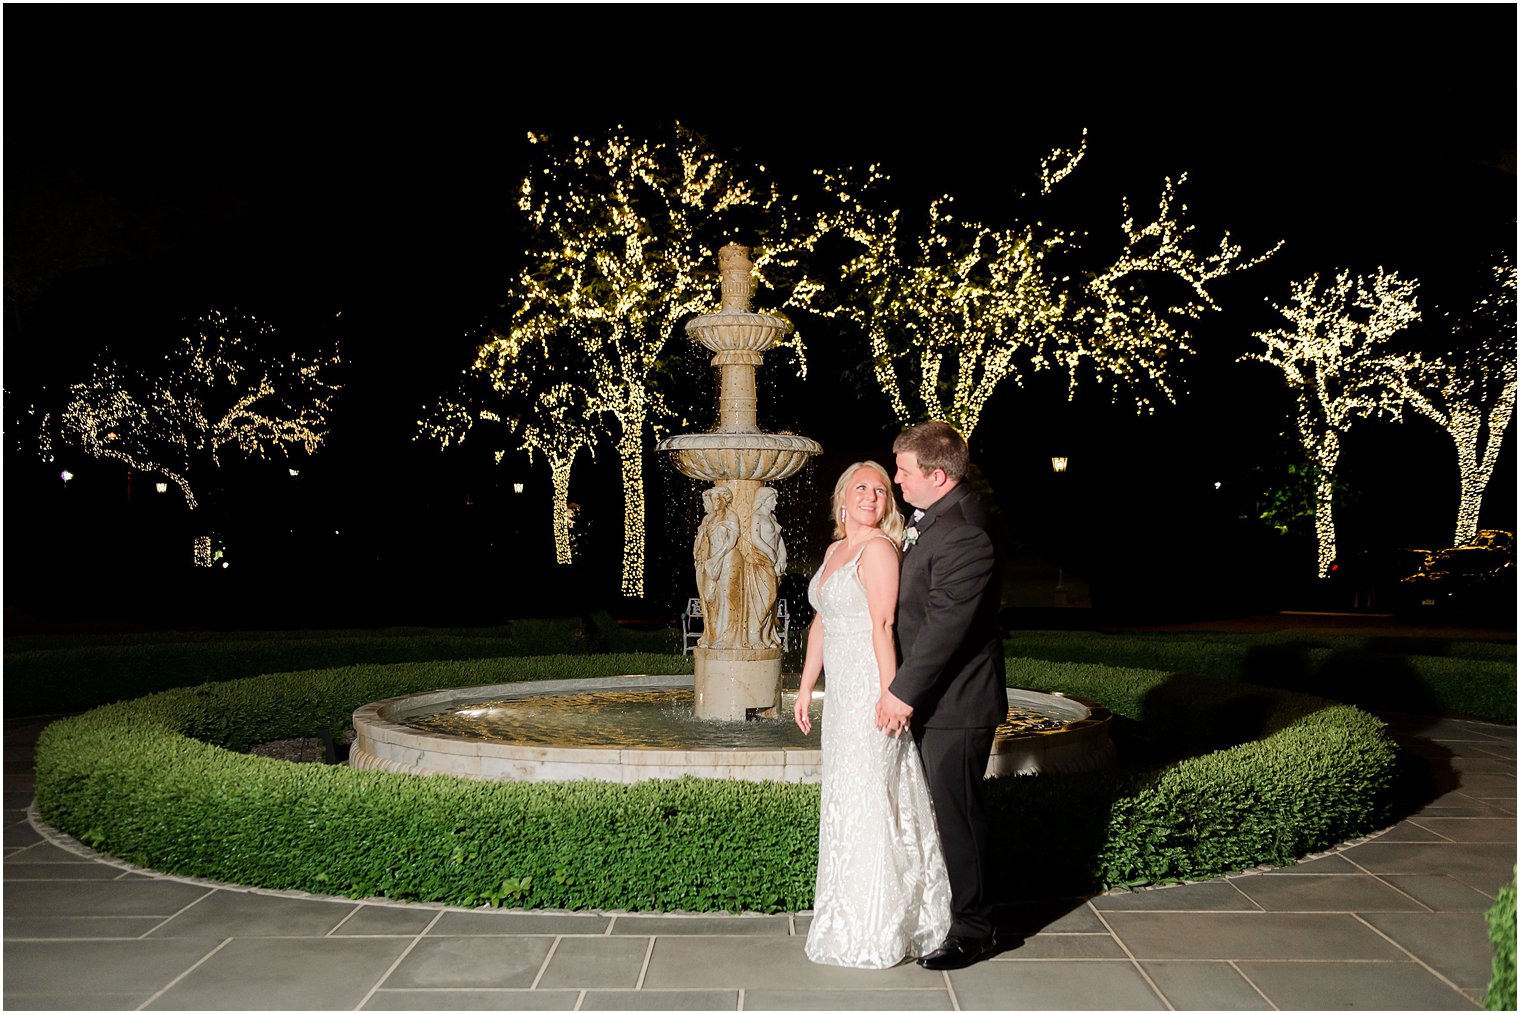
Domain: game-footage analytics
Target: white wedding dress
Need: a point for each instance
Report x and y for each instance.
(882, 892)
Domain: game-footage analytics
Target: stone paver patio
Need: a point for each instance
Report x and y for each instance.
(1390, 923)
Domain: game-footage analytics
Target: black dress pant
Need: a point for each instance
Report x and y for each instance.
(955, 761)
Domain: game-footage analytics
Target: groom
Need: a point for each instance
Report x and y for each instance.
(949, 688)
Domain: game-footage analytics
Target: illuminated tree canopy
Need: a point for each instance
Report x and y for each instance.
(521, 394)
(1469, 391)
(623, 247)
(1335, 356)
(215, 393)
(953, 308)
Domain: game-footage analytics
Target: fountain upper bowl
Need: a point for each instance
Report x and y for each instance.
(726, 332)
(716, 457)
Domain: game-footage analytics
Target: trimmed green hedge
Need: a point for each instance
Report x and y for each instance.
(1266, 776)
(155, 781)
(1391, 673)
(1501, 930)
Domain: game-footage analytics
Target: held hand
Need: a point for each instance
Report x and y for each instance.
(800, 713)
(892, 715)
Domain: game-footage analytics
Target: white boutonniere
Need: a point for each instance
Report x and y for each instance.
(910, 536)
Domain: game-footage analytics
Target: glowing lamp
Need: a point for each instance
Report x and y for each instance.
(162, 487)
(517, 487)
(65, 475)
(1058, 464)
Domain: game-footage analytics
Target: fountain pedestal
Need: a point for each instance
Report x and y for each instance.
(739, 553)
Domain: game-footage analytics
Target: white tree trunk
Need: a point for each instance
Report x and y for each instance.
(1475, 466)
(560, 470)
(631, 452)
(1325, 452)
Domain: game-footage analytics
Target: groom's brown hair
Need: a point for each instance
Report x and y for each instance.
(936, 444)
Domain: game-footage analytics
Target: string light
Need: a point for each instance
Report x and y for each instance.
(1336, 359)
(535, 398)
(213, 392)
(1469, 392)
(954, 310)
(625, 232)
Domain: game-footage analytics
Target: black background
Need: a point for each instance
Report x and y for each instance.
(350, 174)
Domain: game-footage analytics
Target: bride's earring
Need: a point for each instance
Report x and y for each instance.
(841, 514)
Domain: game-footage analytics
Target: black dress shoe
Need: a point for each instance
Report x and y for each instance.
(958, 952)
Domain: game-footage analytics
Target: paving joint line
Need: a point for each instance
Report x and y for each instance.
(955, 1001)
(1250, 900)
(1380, 878)
(1412, 956)
(1134, 961)
(644, 968)
(1430, 830)
(181, 976)
(1252, 983)
(352, 912)
(380, 981)
(544, 965)
(170, 918)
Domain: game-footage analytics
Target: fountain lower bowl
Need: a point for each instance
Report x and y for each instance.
(1074, 737)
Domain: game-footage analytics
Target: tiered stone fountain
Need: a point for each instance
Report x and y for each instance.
(628, 728)
(739, 553)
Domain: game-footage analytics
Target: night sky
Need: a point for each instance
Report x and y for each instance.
(358, 185)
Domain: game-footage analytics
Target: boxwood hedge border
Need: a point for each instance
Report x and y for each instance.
(159, 781)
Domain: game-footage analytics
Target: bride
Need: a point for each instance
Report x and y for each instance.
(882, 892)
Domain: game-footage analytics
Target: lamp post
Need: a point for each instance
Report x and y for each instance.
(1058, 463)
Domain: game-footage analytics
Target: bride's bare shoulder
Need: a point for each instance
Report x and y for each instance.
(881, 548)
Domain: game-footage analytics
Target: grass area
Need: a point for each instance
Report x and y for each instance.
(55, 674)
(1421, 675)
(52, 674)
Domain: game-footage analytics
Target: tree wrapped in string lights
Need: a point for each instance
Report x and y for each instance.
(1336, 358)
(954, 308)
(519, 396)
(215, 392)
(623, 232)
(1469, 391)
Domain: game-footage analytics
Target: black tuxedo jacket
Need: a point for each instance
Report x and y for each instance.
(950, 648)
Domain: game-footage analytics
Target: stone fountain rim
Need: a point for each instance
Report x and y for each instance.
(724, 441)
(730, 317)
(385, 744)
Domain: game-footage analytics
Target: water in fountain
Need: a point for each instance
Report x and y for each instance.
(651, 719)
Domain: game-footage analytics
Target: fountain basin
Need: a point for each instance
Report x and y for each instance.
(761, 457)
(1051, 733)
(737, 331)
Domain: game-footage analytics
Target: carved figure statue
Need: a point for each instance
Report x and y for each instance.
(714, 554)
(764, 563)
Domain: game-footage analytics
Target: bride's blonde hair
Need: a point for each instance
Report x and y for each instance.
(891, 520)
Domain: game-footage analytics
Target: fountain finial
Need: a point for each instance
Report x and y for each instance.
(734, 267)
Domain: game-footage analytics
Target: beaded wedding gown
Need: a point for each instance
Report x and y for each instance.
(882, 892)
